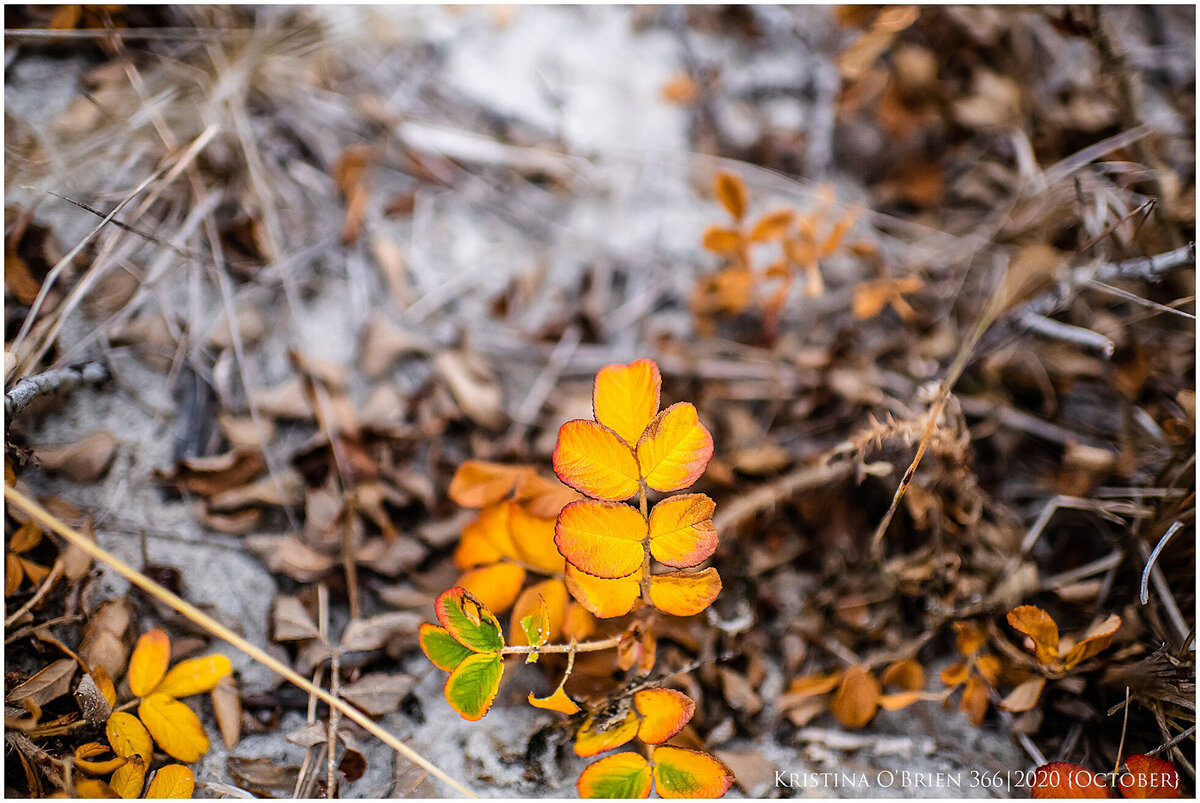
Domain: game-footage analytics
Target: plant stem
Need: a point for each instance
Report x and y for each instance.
(587, 646)
(645, 582)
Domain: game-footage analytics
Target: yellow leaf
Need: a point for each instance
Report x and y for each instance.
(195, 676)
(495, 586)
(533, 540)
(593, 460)
(685, 593)
(173, 781)
(601, 538)
(88, 788)
(149, 662)
(129, 779)
(625, 398)
(681, 530)
(679, 772)
(14, 573)
(128, 736)
(603, 598)
(623, 776)
(85, 753)
(856, 698)
(174, 726)
(589, 742)
(1041, 630)
(675, 449)
(559, 701)
(731, 193)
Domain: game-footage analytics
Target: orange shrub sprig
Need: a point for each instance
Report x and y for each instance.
(601, 551)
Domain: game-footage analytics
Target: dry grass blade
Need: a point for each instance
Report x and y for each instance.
(24, 503)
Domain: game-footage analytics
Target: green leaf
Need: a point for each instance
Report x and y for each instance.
(624, 775)
(537, 628)
(469, 621)
(473, 685)
(441, 648)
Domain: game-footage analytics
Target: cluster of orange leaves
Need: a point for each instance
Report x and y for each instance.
(854, 695)
(803, 240)
(161, 719)
(597, 550)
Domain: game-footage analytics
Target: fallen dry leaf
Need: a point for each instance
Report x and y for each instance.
(84, 461)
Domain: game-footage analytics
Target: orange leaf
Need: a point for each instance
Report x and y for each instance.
(955, 675)
(555, 595)
(970, 637)
(174, 726)
(129, 779)
(86, 752)
(533, 540)
(542, 497)
(814, 684)
(721, 240)
(173, 781)
(149, 662)
(625, 398)
(681, 530)
(487, 539)
(601, 538)
(975, 700)
(903, 699)
(104, 683)
(625, 775)
(1098, 638)
(685, 593)
(495, 586)
(856, 698)
(908, 675)
(128, 736)
(772, 226)
(590, 742)
(478, 483)
(988, 667)
(559, 701)
(679, 772)
(1041, 630)
(664, 713)
(1063, 780)
(603, 598)
(731, 193)
(580, 622)
(195, 676)
(1149, 777)
(1025, 696)
(675, 448)
(593, 459)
